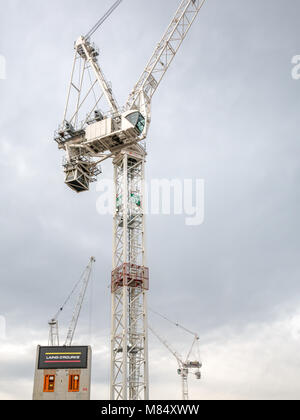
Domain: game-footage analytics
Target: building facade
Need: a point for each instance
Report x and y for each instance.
(63, 373)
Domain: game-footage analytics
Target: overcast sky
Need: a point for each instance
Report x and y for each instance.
(227, 112)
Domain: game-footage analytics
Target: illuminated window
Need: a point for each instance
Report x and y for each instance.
(74, 383)
(49, 383)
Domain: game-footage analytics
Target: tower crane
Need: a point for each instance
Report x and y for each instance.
(89, 135)
(185, 365)
(53, 323)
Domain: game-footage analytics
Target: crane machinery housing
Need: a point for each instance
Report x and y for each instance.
(89, 136)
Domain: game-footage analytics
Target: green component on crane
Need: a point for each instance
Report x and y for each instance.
(119, 201)
(136, 199)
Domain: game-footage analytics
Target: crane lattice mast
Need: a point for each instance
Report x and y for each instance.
(119, 134)
(53, 340)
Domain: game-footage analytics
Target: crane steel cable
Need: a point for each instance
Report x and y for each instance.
(68, 298)
(175, 323)
(103, 19)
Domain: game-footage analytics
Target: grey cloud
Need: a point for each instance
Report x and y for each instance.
(227, 112)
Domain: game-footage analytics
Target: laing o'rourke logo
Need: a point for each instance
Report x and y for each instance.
(2, 67)
(63, 357)
(162, 197)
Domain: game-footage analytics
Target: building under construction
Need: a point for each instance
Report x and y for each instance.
(62, 373)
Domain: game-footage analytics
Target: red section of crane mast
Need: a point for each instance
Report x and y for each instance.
(130, 275)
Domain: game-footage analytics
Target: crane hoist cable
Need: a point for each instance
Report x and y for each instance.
(103, 19)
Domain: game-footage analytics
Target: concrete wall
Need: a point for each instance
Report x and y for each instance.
(62, 382)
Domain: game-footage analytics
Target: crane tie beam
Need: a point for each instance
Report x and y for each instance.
(103, 19)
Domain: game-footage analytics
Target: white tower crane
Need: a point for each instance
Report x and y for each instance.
(53, 324)
(89, 136)
(184, 365)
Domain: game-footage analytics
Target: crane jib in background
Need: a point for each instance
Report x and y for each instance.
(185, 365)
(53, 324)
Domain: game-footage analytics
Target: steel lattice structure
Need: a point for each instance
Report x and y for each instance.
(130, 282)
(119, 134)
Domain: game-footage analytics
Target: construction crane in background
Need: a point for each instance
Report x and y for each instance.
(53, 324)
(90, 135)
(185, 365)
